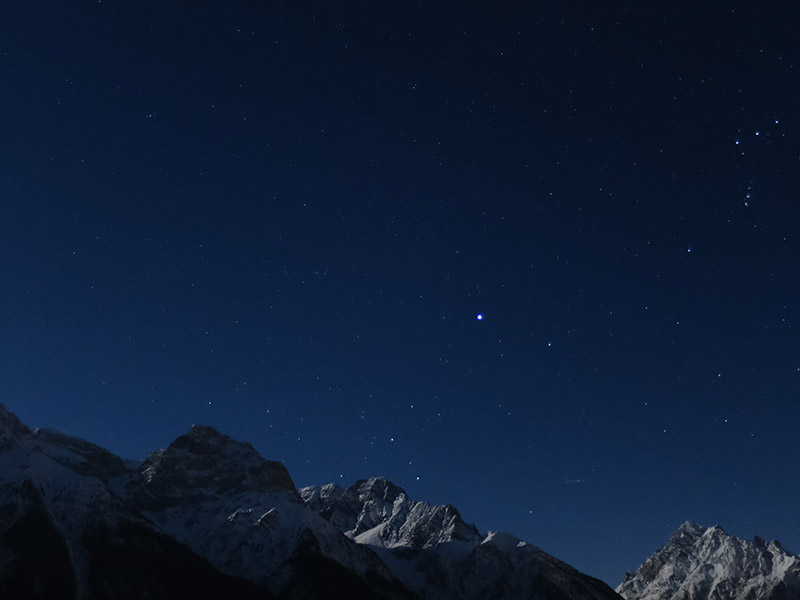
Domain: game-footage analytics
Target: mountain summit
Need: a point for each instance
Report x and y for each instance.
(205, 464)
(378, 512)
(705, 563)
(441, 557)
(64, 534)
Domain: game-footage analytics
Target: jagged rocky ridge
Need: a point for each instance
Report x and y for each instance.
(433, 551)
(205, 518)
(700, 563)
(208, 517)
(242, 513)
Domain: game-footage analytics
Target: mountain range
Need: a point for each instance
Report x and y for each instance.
(208, 517)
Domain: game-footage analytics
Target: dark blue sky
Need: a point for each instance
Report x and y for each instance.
(282, 219)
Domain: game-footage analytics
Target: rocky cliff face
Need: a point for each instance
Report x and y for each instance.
(705, 563)
(377, 511)
(203, 465)
(12, 431)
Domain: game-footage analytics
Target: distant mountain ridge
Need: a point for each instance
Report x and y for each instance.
(209, 517)
(705, 563)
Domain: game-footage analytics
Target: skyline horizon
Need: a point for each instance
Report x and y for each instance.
(484, 530)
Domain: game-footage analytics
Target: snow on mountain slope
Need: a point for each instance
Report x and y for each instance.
(377, 512)
(442, 557)
(220, 498)
(40, 472)
(208, 517)
(64, 534)
(700, 563)
(79, 455)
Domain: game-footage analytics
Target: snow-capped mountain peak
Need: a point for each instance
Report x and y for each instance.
(379, 512)
(209, 513)
(689, 530)
(440, 556)
(65, 534)
(223, 500)
(703, 563)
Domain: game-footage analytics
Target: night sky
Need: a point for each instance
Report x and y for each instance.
(538, 260)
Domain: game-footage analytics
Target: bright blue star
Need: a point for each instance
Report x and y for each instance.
(480, 317)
